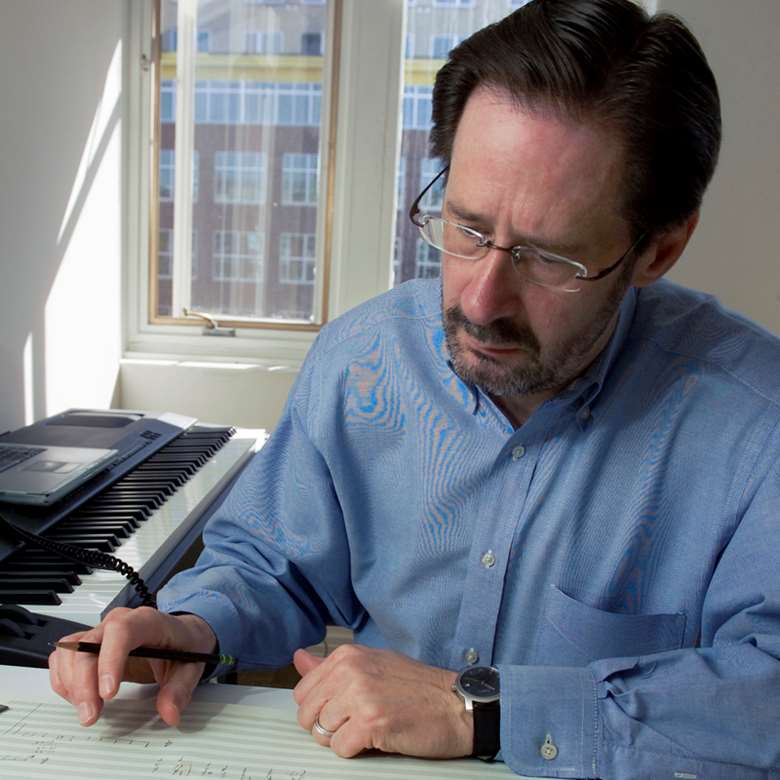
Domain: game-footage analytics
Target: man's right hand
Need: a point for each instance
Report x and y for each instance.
(87, 680)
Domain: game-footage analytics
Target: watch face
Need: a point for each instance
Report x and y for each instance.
(480, 682)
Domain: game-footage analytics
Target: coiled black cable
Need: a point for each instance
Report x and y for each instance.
(93, 558)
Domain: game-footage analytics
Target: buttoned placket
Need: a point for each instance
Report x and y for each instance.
(491, 545)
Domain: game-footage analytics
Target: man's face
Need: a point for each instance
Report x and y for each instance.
(520, 178)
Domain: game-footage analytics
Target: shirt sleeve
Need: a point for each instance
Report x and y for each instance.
(275, 569)
(711, 712)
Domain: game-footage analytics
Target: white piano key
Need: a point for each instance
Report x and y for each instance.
(158, 536)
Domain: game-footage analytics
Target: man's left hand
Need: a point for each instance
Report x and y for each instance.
(378, 699)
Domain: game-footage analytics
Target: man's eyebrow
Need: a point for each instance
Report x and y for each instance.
(556, 247)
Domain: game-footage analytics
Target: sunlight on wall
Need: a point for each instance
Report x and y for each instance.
(83, 309)
(29, 387)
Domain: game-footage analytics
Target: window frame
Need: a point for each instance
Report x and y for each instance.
(363, 146)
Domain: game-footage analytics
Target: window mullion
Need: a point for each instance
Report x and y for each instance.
(187, 23)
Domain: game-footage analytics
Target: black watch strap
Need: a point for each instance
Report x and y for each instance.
(487, 730)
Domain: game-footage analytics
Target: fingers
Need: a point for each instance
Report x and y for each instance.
(74, 676)
(87, 680)
(177, 682)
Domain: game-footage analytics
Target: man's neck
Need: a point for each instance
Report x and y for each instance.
(518, 408)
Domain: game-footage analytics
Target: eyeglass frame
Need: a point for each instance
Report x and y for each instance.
(581, 269)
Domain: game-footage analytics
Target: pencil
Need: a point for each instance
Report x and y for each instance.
(155, 652)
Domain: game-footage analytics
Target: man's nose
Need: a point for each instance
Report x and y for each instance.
(492, 290)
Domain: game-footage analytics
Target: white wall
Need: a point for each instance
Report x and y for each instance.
(60, 205)
(735, 251)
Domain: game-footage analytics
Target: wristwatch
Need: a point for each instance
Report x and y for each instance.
(479, 688)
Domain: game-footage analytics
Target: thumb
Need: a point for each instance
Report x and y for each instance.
(304, 662)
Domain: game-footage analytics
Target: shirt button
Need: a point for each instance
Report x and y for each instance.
(471, 656)
(584, 413)
(518, 452)
(489, 559)
(548, 750)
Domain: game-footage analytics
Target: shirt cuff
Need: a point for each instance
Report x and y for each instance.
(220, 614)
(549, 717)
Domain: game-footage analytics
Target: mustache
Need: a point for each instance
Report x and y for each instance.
(502, 331)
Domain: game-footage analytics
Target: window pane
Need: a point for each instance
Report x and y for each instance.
(433, 28)
(257, 101)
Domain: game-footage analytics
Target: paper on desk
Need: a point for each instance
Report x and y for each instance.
(40, 739)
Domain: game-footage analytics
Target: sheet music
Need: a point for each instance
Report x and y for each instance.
(42, 739)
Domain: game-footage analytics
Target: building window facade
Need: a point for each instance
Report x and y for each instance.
(300, 179)
(238, 256)
(297, 258)
(239, 177)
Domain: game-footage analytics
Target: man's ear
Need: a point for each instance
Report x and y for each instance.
(663, 251)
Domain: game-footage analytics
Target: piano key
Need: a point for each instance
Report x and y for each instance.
(105, 543)
(117, 531)
(29, 596)
(28, 574)
(56, 584)
(155, 546)
(46, 566)
(140, 514)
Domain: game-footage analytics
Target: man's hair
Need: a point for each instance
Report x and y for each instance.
(645, 79)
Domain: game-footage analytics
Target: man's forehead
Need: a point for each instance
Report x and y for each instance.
(505, 152)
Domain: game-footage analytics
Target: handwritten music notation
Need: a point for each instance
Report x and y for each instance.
(43, 740)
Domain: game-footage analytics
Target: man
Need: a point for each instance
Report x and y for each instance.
(553, 462)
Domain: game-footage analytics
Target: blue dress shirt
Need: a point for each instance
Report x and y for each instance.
(617, 557)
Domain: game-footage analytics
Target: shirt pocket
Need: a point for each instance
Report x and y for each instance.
(574, 633)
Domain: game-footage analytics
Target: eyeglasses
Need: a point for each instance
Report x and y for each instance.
(531, 264)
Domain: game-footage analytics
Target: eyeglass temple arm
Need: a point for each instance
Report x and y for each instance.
(415, 207)
(609, 269)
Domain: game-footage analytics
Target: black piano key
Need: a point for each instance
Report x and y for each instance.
(92, 534)
(89, 542)
(150, 502)
(46, 566)
(57, 584)
(117, 513)
(28, 596)
(120, 531)
(24, 574)
(127, 521)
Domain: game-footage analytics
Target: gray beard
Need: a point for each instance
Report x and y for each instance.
(538, 373)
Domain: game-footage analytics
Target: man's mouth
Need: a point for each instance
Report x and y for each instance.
(492, 350)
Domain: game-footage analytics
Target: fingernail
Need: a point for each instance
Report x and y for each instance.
(106, 685)
(86, 712)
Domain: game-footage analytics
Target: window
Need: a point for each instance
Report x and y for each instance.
(427, 261)
(164, 254)
(299, 179)
(297, 255)
(247, 116)
(239, 177)
(400, 185)
(311, 44)
(251, 101)
(409, 46)
(450, 22)
(238, 256)
(265, 42)
(167, 175)
(429, 167)
(442, 44)
(417, 108)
